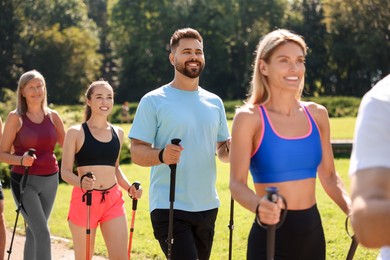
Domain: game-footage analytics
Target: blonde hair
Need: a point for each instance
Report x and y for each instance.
(259, 92)
(21, 103)
(88, 94)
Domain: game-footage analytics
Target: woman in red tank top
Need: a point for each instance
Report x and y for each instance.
(33, 125)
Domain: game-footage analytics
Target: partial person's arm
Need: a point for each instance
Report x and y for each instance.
(329, 178)
(143, 154)
(68, 152)
(121, 177)
(242, 146)
(1, 128)
(370, 169)
(59, 125)
(223, 151)
(370, 190)
(11, 127)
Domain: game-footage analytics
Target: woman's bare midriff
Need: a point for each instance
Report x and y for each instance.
(104, 174)
(299, 194)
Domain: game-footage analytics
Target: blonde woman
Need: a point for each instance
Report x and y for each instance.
(283, 142)
(33, 125)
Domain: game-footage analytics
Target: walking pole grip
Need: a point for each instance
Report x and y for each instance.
(136, 184)
(31, 153)
(175, 141)
(89, 192)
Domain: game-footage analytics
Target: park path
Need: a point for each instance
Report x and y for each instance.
(60, 248)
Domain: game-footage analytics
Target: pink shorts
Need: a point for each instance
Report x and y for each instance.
(106, 205)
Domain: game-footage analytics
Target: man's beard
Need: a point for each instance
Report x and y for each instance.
(191, 72)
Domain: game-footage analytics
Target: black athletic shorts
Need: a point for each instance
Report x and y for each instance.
(193, 233)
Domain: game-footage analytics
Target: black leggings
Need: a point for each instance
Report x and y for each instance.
(301, 237)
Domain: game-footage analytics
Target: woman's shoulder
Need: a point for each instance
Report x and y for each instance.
(118, 130)
(319, 113)
(74, 129)
(14, 117)
(13, 114)
(51, 112)
(247, 110)
(54, 117)
(247, 114)
(315, 109)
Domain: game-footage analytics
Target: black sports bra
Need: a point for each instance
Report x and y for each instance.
(94, 152)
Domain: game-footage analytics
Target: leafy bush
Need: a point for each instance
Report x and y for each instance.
(5, 175)
(338, 106)
(116, 115)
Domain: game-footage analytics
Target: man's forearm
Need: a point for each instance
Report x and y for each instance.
(144, 155)
(223, 152)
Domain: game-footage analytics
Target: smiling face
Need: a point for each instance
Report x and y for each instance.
(34, 91)
(101, 99)
(188, 57)
(285, 68)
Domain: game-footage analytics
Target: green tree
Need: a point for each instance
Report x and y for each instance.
(73, 60)
(55, 37)
(9, 37)
(231, 30)
(99, 12)
(142, 30)
(306, 17)
(360, 45)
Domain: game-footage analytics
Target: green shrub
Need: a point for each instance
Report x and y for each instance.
(5, 175)
(116, 115)
(230, 107)
(338, 106)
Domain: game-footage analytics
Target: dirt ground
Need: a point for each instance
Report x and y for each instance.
(60, 249)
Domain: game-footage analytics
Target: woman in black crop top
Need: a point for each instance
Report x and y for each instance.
(95, 147)
(285, 143)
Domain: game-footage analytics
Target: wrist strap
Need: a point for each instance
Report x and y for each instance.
(160, 155)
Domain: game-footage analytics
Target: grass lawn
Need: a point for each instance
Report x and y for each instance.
(146, 247)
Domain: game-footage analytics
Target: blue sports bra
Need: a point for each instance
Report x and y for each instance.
(280, 159)
(94, 152)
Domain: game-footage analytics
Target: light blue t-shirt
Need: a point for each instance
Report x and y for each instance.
(197, 118)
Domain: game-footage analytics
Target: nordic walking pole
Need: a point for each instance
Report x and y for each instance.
(88, 201)
(354, 242)
(31, 152)
(134, 208)
(175, 141)
(231, 227)
(272, 195)
(352, 248)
